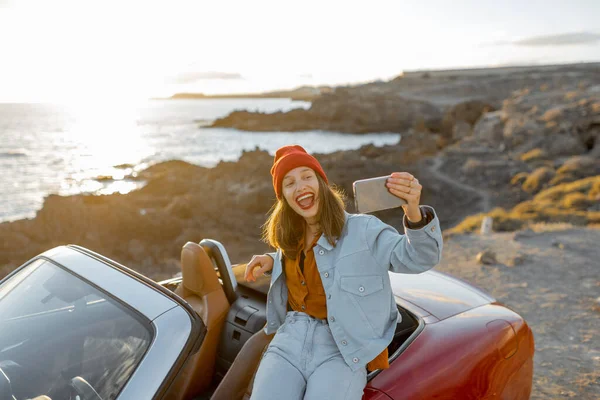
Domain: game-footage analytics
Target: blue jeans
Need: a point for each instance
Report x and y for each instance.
(304, 362)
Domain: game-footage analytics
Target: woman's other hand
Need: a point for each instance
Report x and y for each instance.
(407, 187)
(264, 263)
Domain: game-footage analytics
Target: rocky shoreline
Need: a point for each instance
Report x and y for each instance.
(521, 147)
(427, 100)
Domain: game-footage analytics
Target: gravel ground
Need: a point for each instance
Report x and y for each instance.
(549, 274)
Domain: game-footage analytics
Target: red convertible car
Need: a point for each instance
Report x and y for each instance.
(75, 325)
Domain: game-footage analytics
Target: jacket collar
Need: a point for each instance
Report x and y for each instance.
(324, 243)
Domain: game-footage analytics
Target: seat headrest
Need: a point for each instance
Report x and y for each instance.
(198, 273)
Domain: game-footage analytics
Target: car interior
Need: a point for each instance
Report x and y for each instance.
(234, 312)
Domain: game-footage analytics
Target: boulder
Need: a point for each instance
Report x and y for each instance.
(461, 130)
(468, 112)
(486, 257)
(490, 127)
(564, 145)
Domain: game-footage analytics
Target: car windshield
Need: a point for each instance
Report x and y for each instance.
(60, 335)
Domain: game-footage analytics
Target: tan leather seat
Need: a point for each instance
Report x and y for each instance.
(237, 382)
(201, 288)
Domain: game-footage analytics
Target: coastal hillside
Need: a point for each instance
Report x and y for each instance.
(303, 93)
(417, 98)
(519, 145)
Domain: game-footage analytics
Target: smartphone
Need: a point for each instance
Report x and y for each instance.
(372, 195)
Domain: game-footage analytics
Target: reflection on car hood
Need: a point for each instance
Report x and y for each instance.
(439, 294)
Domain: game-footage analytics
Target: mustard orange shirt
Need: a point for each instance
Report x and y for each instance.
(306, 292)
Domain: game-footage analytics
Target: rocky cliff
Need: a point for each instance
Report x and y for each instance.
(522, 147)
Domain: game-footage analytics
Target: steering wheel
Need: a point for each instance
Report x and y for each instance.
(6, 392)
(84, 389)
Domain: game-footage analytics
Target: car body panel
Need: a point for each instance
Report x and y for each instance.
(437, 294)
(374, 394)
(172, 330)
(460, 358)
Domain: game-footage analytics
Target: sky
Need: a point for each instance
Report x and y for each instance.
(74, 51)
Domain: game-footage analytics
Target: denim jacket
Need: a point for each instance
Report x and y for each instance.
(361, 309)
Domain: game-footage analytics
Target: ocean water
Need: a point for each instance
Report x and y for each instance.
(62, 149)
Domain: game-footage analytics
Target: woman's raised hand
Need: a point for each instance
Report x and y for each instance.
(407, 187)
(264, 263)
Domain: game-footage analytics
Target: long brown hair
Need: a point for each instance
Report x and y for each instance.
(284, 227)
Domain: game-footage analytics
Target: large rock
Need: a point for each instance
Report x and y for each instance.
(461, 130)
(348, 111)
(564, 145)
(467, 112)
(490, 127)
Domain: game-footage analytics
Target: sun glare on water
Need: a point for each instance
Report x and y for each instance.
(101, 136)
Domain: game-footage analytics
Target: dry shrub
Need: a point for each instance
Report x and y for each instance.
(519, 178)
(561, 178)
(578, 201)
(583, 102)
(573, 164)
(556, 193)
(552, 114)
(506, 221)
(469, 224)
(593, 217)
(594, 192)
(502, 221)
(580, 166)
(525, 207)
(534, 155)
(538, 179)
(571, 95)
(565, 203)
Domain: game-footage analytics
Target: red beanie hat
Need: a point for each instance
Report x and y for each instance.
(289, 157)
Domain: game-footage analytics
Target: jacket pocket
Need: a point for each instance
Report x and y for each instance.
(369, 299)
(362, 285)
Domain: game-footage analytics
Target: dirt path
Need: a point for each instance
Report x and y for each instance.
(485, 198)
(550, 276)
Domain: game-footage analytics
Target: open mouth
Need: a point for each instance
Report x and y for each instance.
(305, 201)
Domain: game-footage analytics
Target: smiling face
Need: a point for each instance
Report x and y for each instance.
(300, 188)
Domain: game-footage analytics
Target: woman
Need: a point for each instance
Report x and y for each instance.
(330, 301)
